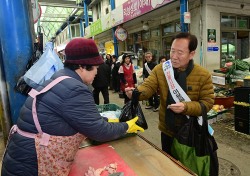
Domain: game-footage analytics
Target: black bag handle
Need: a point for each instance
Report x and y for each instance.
(134, 101)
(204, 117)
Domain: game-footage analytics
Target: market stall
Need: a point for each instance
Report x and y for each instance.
(132, 155)
(227, 78)
(232, 89)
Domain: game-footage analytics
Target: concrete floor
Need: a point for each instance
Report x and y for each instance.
(234, 147)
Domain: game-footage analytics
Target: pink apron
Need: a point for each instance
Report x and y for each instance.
(54, 153)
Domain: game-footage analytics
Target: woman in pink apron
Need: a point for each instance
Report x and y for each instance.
(57, 116)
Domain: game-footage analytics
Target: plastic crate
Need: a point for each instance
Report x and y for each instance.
(107, 107)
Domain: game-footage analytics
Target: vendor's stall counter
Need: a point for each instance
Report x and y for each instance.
(137, 154)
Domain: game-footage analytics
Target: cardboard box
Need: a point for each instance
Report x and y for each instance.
(219, 80)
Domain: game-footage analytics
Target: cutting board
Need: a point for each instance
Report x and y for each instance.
(98, 157)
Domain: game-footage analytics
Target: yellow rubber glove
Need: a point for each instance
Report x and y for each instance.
(113, 120)
(132, 127)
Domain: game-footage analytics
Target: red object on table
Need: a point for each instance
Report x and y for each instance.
(98, 157)
(227, 102)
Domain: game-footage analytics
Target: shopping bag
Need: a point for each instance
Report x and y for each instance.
(44, 68)
(21, 86)
(132, 109)
(195, 148)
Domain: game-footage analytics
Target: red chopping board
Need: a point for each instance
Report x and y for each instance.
(98, 157)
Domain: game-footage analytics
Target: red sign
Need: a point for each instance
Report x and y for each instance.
(121, 34)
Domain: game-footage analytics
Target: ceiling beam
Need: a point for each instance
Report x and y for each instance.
(49, 21)
(51, 15)
(59, 3)
(66, 2)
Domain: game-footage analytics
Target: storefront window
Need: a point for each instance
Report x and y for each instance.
(145, 35)
(228, 41)
(234, 42)
(242, 44)
(155, 33)
(130, 39)
(168, 28)
(178, 26)
(243, 22)
(228, 21)
(167, 46)
(137, 37)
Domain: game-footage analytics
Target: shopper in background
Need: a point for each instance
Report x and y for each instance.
(162, 59)
(108, 61)
(115, 75)
(153, 101)
(101, 84)
(127, 75)
(51, 126)
(193, 79)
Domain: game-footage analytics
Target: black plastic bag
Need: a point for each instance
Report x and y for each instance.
(195, 148)
(132, 109)
(21, 86)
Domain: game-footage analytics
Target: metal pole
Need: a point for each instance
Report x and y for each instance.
(16, 48)
(86, 15)
(112, 3)
(81, 28)
(183, 8)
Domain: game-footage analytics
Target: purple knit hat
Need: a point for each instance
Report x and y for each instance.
(83, 52)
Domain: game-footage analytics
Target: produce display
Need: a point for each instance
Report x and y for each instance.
(245, 104)
(236, 69)
(216, 109)
(223, 92)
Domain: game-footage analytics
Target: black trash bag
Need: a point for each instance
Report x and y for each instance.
(21, 86)
(132, 109)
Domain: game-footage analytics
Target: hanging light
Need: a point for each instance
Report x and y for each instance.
(145, 26)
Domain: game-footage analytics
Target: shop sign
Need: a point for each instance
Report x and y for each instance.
(121, 34)
(211, 41)
(211, 35)
(187, 17)
(212, 48)
(135, 8)
(96, 28)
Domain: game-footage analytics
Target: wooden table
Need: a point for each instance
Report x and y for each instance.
(145, 159)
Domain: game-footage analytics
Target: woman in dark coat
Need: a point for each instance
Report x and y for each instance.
(51, 126)
(115, 75)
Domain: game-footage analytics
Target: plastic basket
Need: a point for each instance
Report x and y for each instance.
(107, 107)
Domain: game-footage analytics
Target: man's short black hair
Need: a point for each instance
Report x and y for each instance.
(193, 42)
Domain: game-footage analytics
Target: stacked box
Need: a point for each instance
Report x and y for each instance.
(242, 113)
